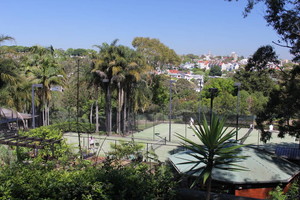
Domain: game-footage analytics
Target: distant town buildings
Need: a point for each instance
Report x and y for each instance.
(206, 62)
(226, 63)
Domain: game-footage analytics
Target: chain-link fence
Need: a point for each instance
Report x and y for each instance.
(147, 120)
(103, 145)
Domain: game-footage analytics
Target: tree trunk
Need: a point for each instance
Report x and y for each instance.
(208, 189)
(43, 116)
(134, 121)
(97, 116)
(97, 111)
(123, 120)
(119, 108)
(91, 114)
(124, 110)
(108, 110)
(48, 115)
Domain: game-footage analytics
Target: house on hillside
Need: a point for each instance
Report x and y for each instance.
(175, 73)
(203, 64)
(188, 66)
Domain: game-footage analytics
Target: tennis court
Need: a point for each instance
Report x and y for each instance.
(157, 139)
(163, 130)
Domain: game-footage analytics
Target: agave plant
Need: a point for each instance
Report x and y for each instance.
(218, 150)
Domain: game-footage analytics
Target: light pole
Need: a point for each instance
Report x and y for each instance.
(238, 85)
(32, 102)
(212, 91)
(200, 87)
(170, 112)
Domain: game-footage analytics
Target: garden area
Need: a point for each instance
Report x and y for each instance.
(116, 123)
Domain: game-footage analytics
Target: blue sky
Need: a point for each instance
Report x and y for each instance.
(187, 26)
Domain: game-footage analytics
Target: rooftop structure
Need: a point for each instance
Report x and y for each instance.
(264, 172)
(10, 115)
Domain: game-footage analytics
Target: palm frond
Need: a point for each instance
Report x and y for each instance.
(216, 150)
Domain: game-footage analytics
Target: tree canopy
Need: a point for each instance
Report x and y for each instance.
(157, 54)
(215, 71)
(262, 59)
(283, 105)
(284, 17)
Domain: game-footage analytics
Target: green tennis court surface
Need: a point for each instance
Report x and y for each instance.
(150, 138)
(163, 130)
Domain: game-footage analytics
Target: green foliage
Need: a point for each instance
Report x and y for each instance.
(78, 52)
(222, 84)
(189, 58)
(199, 71)
(36, 181)
(278, 194)
(8, 72)
(184, 89)
(14, 48)
(123, 68)
(45, 132)
(215, 71)
(160, 91)
(6, 156)
(225, 104)
(217, 150)
(46, 181)
(73, 127)
(254, 103)
(156, 53)
(4, 38)
(254, 81)
(283, 105)
(134, 182)
(261, 59)
(126, 150)
(280, 15)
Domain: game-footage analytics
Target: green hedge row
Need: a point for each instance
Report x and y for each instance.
(46, 181)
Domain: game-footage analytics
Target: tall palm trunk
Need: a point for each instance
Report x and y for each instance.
(108, 110)
(97, 111)
(44, 106)
(127, 108)
(125, 114)
(91, 114)
(119, 108)
(97, 117)
(48, 115)
(43, 116)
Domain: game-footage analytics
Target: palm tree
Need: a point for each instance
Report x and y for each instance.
(217, 151)
(94, 81)
(139, 98)
(121, 66)
(43, 69)
(17, 96)
(132, 68)
(5, 38)
(8, 72)
(105, 67)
